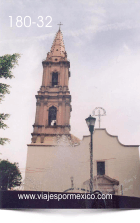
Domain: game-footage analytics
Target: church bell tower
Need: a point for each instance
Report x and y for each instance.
(52, 143)
(55, 157)
(53, 104)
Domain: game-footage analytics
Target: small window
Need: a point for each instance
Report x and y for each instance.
(55, 59)
(100, 168)
(56, 49)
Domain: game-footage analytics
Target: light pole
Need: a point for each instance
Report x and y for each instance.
(90, 123)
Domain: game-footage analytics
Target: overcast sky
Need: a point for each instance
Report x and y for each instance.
(102, 40)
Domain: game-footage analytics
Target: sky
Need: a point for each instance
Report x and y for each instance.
(102, 40)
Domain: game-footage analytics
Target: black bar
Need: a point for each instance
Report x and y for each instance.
(10, 200)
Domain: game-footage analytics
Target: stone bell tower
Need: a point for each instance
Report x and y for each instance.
(53, 100)
(52, 143)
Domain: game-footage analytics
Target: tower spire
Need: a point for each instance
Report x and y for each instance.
(57, 51)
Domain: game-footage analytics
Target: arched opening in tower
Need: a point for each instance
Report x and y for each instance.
(52, 116)
(54, 79)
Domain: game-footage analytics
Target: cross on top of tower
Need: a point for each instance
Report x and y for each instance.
(60, 24)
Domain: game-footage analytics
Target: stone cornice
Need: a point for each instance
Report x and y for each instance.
(59, 90)
(48, 63)
(45, 134)
(52, 96)
(39, 126)
(56, 126)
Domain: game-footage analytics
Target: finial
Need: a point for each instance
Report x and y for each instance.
(60, 24)
(99, 109)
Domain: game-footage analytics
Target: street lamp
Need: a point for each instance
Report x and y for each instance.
(90, 123)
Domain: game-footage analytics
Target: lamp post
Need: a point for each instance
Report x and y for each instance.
(90, 123)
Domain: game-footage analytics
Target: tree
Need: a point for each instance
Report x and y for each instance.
(7, 63)
(10, 175)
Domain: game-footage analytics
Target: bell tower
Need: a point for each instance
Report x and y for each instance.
(53, 105)
(52, 142)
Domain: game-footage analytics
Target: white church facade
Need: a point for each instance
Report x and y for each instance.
(57, 160)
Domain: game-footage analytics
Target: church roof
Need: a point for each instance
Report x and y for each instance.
(58, 47)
